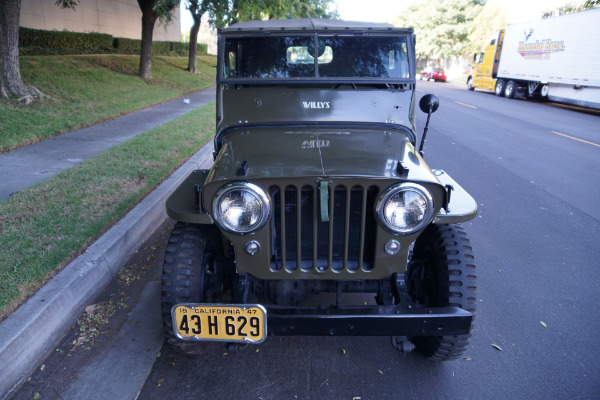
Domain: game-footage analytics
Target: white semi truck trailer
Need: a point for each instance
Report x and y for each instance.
(556, 58)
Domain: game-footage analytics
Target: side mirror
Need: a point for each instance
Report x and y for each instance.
(429, 103)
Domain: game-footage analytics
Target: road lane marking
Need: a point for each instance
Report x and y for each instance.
(574, 138)
(463, 104)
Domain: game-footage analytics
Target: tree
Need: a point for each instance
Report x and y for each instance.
(11, 82)
(197, 8)
(151, 11)
(228, 12)
(283, 9)
(488, 22)
(443, 28)
(569, 8)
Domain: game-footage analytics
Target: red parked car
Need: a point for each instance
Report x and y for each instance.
(433, 73)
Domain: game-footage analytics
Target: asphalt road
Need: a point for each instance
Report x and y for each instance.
(535, 242)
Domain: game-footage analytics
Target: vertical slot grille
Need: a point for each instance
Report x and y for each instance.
(302, 241)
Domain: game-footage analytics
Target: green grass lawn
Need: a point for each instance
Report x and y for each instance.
(89, 89)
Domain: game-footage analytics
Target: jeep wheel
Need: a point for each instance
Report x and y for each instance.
(188, 275)
(442, 274)
(499, 91)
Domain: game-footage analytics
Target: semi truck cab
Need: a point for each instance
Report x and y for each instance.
(485, 64)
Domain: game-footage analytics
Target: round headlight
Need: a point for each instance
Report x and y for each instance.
(405, 208)
(241, 207)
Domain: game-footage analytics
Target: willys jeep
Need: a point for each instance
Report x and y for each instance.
(319, 215)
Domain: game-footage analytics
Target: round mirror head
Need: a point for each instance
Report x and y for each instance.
(428, 103)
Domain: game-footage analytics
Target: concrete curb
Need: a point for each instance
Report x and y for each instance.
(30, 332)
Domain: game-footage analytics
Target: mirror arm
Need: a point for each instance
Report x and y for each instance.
(425, 132)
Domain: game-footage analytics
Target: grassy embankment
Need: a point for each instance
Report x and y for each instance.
(44, 227)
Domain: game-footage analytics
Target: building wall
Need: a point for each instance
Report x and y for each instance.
(119, 18)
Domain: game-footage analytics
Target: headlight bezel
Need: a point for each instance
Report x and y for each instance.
(391, 191)
(259, 194)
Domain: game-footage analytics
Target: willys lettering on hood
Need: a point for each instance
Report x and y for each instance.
(283, 152)
(316, 104)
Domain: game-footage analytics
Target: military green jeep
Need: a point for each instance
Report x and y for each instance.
(319, 215)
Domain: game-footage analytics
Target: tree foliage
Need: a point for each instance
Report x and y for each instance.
(228, 12)
(488, 22)
(67, 3)
(571, 7)
(443, 28)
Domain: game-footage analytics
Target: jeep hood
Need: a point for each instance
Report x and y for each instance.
(279, 152)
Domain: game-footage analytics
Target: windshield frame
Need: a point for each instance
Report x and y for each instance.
(408, 37)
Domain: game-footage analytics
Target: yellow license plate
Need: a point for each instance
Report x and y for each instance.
(245, 323)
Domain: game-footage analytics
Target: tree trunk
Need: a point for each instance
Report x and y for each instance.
(148, 20)
(192, 67)
(11, 83)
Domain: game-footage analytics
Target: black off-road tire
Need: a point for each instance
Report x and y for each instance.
(446, 262)
(191, 248)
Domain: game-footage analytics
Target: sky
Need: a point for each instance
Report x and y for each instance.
(387, 10)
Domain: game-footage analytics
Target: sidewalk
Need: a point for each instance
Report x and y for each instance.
(35, 163)
(31, 331)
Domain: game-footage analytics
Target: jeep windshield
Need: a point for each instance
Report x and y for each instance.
(322, 57)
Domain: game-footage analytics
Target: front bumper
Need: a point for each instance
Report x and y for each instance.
(368, 321)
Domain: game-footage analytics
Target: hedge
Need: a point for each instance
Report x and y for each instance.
(36, 41)
(127, 46)
(41, 42)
